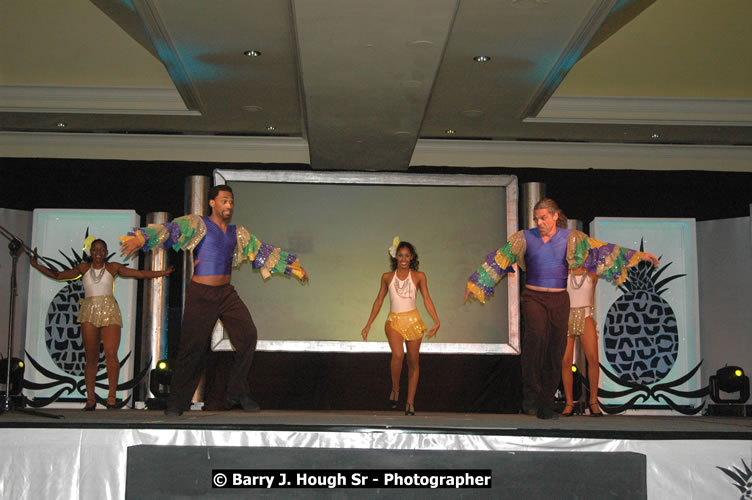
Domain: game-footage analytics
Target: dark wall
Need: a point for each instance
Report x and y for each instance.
(585, 194)
(30, 183)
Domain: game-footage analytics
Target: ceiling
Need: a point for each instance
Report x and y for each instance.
(361, 83)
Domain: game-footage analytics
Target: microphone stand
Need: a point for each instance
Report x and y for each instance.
(7, 404)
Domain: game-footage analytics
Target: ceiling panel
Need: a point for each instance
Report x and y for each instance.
(368, 69)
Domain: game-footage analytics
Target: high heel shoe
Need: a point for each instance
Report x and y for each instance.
(109, 406)
(598, 413)
(89, 407)
(410, 410)
(569, 413)
(393, 399)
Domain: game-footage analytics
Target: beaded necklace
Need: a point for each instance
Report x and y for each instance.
(573, 280)
(97, 278)
(402, 286)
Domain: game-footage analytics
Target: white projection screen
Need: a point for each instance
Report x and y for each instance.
(340, 224)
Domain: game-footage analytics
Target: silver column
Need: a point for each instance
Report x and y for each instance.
(531, 193)
(197, 203)
(574, 224)
(154, 322)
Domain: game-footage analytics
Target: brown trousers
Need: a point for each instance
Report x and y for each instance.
(543, 344)
(204, 305)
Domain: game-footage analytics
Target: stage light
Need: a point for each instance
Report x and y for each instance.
(578, 383)
(159, 379)
(729, 379)
(16, 375)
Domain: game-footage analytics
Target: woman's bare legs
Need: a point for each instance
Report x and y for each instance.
(413, 370)
(90, 336)
(567, 379)
(589, 341)
(398, 357)
(111, 341)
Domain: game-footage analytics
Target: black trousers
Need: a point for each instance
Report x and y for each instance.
(543, 344)
(204, 305)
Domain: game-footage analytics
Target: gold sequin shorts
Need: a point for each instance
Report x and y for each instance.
(100, 311)
(577, 317)
(408, 324)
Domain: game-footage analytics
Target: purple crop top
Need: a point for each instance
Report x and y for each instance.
(215, 251)
(546, 263)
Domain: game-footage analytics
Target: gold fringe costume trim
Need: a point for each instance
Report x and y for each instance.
(196, 223)
(102, 310)
(244, 240)
(577, 317)
(408, 324)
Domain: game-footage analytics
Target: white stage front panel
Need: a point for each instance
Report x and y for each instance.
(92, 463)
(650, 335)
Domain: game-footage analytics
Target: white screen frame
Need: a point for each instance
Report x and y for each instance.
(506, 182)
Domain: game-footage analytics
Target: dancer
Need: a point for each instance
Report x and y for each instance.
(581, 290)
(546, 253)
(99, 314)
(404, 324)
(217, 246)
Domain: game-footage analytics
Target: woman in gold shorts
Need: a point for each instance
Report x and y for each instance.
(581, 290)
(404, 324)
(99, 314)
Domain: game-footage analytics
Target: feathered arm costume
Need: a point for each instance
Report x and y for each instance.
(497, 264)
(607, 260)
(266, 258)
(185, 233)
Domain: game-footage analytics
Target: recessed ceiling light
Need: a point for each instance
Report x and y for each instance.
(655, 135)
(60, 124)
(252, 53)
(481, 58)
(450, 131)
(271, 128)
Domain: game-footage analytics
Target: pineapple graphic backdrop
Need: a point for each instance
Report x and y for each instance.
(53, 340)
(649, 335)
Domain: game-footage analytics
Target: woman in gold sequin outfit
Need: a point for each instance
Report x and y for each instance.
(581, 289)
(404, 323)
(99, 314)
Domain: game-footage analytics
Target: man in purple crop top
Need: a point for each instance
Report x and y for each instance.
(217, 247)
(546, 253)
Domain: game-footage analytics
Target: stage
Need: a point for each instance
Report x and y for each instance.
(142, 453)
